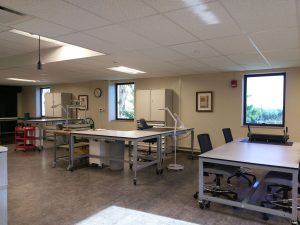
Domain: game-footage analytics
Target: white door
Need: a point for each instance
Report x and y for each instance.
(142, 103)
(158, 102)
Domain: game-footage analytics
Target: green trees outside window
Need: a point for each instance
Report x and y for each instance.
(125, 101)
(264, 99)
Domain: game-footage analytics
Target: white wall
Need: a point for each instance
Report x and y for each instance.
(227, 103)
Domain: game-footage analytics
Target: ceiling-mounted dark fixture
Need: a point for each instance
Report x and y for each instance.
(39, 64)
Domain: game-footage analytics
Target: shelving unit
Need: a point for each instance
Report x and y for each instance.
(25, 138)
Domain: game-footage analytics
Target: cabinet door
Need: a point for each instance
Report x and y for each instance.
(158, 102)
(57, 112)
(142, 104)
(48, 104)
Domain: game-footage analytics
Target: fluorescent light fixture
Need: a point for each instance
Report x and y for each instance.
(202, 11)
(24, 80)
(125, 69)
(37, 37)
(70, 48)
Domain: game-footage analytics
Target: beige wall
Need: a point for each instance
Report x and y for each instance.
(227, 103)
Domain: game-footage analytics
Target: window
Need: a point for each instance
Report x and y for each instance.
(264, 99)
(125, 101)
(43, 91)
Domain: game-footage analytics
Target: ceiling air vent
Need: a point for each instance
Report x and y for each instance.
(9, 16)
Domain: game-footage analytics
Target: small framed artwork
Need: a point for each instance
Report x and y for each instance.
(84, 101)
(204, 101)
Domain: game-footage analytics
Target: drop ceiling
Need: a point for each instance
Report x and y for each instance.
(161, 37)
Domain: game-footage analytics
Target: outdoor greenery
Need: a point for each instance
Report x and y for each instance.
(255, 115)
(125, 101)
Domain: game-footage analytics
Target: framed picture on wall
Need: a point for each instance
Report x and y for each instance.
(204, 101)
(84, 101)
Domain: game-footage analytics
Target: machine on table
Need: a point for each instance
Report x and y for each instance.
(272, 138)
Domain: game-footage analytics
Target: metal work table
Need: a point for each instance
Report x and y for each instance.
(272, 157)
(133, 137)
(41, 124)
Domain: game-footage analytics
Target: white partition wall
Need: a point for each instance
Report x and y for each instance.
(3, 185)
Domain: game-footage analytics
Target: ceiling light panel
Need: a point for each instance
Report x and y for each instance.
(125, 69)
(22, 80)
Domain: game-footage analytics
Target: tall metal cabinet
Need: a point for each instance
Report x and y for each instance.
(148, 103)
(3, 185)
(57, 99)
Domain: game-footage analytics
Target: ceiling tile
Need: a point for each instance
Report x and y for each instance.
(246, 58)
(231, 45)
(218, 61)
(195, 50)
(258, 66)
(277, 39)
(65, 14)
(206, 21)
(42, 27)
(258, 15)
(123, 38)
(169, 5)
(160, 29)
(89, 42)
(116, 10)
(163, 53)
(283, 55)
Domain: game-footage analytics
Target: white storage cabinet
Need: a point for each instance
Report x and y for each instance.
(3, 185)
(149, 101)
(52, 99)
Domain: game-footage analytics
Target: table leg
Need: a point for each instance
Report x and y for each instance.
(40, 136)
(295, 197)
(192, 144)
(71, 153)
(159, 169)
(201, 183)
(55, 149)
(129, 154)
(134, 161)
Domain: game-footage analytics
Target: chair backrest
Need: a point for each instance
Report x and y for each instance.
(227, 135)
(143, 125)
(204, 142)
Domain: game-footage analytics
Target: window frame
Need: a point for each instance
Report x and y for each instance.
(41, 103)
(116, 100)
(245, 98)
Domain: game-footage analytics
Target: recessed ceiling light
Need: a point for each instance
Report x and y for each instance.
(69, 47)
(125, 69)
(203, 12)
(37, 37)
(24, 80)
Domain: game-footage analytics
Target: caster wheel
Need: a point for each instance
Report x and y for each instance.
(157, 171)
(207, 205)
(196, 195)
(134, 182)
(161, 171)
(201, 205)
(53, 165)
(265, 217)
(130, 166)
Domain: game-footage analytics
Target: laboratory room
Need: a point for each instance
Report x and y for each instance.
(122, 112)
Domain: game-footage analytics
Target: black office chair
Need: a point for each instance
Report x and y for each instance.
(218, 170)
(279, 199)
(241, 172)
(143, 126)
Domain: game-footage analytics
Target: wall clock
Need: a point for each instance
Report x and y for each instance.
(97, 92)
